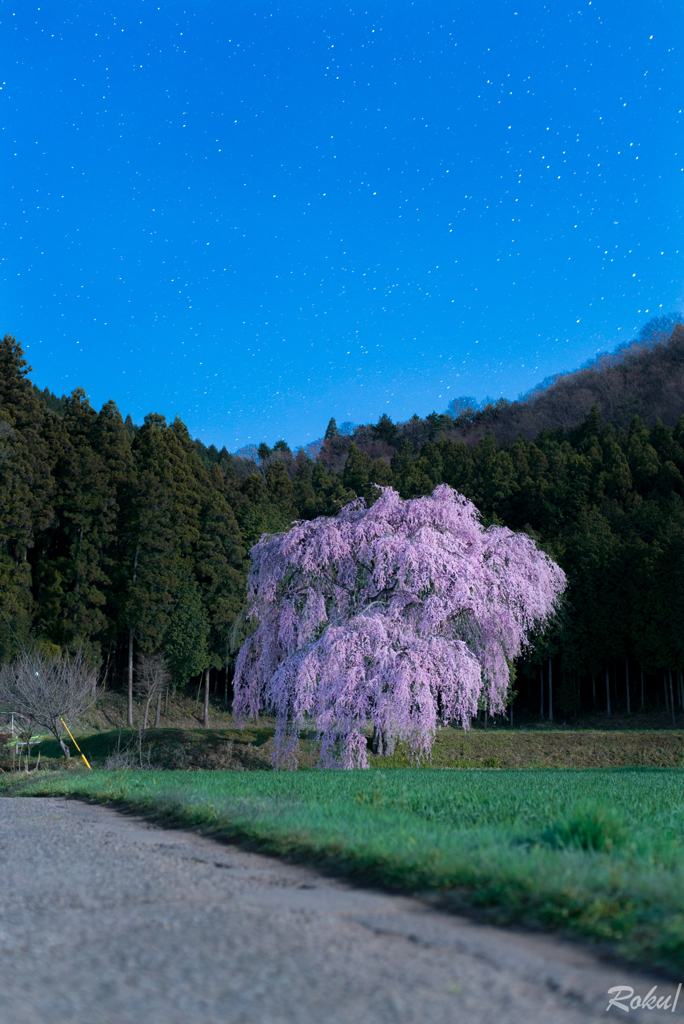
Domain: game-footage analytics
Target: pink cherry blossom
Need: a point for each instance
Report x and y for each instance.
(405, 614)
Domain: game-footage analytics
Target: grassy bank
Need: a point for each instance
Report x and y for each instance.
(598, 853)
(510, 748)
(251, 748)
(165, 748)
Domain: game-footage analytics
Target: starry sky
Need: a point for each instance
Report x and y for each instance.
(257, 216)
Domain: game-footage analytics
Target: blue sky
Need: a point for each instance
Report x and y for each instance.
(257, 216)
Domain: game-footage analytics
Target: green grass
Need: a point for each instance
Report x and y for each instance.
(596, 853)
(562, 748)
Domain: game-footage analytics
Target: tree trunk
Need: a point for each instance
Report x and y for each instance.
(130, 676)
(64, 747)
(383, 744)
(207, 672)
(130, 646)
(158, 714)
(550, 691)
(541, 691)
(672, 703)
(166, 703)
(147, 711)
(225, 686)
(629, 709)
(667, 703)
(607, 691)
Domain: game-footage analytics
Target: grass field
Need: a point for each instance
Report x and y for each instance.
(596, 853)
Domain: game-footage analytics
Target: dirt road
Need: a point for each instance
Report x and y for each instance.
(105, 919)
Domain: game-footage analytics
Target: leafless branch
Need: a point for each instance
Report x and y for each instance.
(44, 690)
(152, 678)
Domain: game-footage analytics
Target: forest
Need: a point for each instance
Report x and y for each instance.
(130, 540)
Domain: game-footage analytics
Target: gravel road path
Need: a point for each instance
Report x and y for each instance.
(105, 919)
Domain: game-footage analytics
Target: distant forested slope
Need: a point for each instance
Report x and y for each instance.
(644, 378)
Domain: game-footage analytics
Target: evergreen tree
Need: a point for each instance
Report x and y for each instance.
(331, 494)
(163, 512)
(26, 490)
(304, 494)
(186, 640)
(257, 513)
(281, 490)
(357, 470)
(493, 478)
(457, 465)
(385, 429)
(381, 473)
(642, 457)
(78, 544)
(220, 566)
(112, 442)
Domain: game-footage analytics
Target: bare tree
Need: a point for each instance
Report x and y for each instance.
(152, 679)
(45, 689)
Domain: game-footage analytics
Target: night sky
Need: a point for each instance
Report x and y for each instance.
(259, 216)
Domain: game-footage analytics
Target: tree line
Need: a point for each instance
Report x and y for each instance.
(134, 540)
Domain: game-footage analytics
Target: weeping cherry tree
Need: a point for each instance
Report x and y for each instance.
(406, 614)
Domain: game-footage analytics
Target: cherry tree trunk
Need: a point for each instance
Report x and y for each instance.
(383, 743)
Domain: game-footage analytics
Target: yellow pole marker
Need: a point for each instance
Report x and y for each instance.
(75, 743)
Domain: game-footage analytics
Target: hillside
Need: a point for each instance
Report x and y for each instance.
(645, 377)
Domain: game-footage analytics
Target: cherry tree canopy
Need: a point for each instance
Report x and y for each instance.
(403, 613)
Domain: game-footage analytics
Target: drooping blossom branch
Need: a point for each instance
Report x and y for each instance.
(403, 614)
